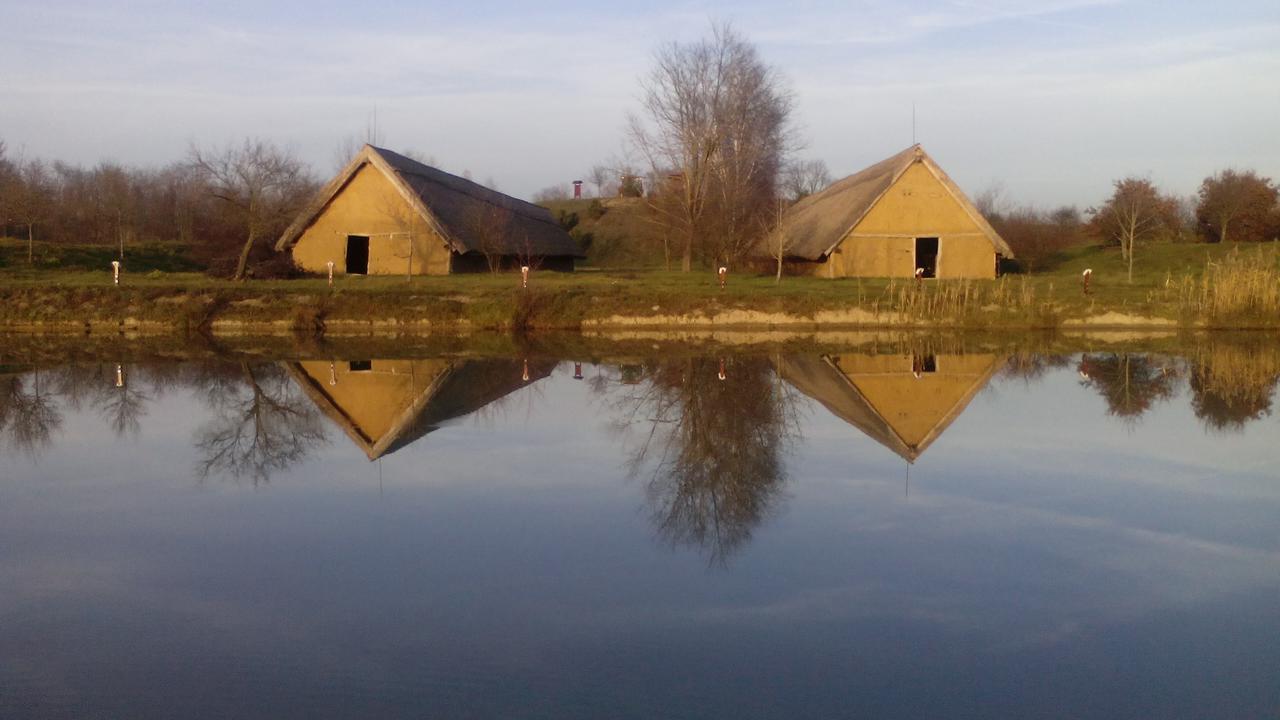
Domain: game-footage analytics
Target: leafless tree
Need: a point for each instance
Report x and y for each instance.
(715, 124)
(265, 185)
(712, 437)
(803, 178)
(1135, 212)
(780, 240)
(991, 201)
(551, 193)
(1233, 199)
(29, 414)
(261, 424)
(30, 199)
(603, 177)
(490, 226)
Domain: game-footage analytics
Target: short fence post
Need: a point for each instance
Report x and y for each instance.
(1084, 279)
(115, 272)
(330, 265)
(724, 274)
(524, 276)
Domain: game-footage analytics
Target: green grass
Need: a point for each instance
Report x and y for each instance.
(1161, 288)
(141, 258)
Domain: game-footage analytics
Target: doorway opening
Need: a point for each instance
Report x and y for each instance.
(921, 364)
(357, 254)
(927, 256)
(360, 365)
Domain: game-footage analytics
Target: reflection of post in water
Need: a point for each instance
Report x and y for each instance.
(717, 434)
(904, 401)
(1130, 383)
(384, 405)
(29, 415)
(124, 403)
(1232, 384)
(260, 425)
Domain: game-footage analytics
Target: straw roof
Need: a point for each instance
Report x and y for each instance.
(462, 388)
(452, 206)
(820, 222)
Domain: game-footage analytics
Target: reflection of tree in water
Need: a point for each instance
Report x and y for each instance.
(1030, 366)
(1131, 384)
(1232, 385)
(260, 423)
(29, 414)
(715, 448)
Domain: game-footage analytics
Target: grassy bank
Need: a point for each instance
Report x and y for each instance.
(1187, 285)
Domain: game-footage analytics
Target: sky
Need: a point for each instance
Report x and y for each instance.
(1050, 101)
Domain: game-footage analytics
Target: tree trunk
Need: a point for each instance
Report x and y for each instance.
(31, 244)
(686, 260)
(778, 280)
(243, 263)
(1131, 260)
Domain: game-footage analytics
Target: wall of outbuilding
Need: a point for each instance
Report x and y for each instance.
(370, 205)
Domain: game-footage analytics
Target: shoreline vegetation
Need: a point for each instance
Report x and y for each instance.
(1184, 286)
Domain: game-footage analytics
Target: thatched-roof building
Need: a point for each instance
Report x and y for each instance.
(384, 405)
(898, 215)
(388, 214)
(903, 402)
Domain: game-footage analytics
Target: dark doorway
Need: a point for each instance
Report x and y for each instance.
(357, 255)
(927, 256)
(921, 364)
(360, 365)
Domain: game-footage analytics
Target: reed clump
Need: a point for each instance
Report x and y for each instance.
(1239, 286)
(966, 300)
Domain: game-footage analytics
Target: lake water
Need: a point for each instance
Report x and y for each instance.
(902, 533)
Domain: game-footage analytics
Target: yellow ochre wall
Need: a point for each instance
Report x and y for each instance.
(913, 406)
(375, 399)
(370, 205)
(917, 205)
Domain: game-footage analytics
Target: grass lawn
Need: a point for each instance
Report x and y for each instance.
(1162, 275)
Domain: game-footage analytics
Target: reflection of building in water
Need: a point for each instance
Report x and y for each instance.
(903, 402)
(383, 405)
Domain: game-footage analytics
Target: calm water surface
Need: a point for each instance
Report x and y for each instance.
(786, 535)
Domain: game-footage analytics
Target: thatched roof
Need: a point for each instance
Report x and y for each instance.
(458, 209)
(820, 222)
(821, 379)
(462, 388)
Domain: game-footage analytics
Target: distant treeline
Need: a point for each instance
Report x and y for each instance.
(208, 202)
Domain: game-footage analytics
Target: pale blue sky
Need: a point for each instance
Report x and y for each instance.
(1053, 99)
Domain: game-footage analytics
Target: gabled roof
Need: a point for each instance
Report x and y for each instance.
(822, 379)
(461, 388)
(452, 206)
(820, 222)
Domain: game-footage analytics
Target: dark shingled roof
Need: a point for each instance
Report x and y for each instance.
(820, 222)
(455, 207)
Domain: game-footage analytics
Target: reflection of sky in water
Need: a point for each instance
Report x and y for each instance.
(1048, 560)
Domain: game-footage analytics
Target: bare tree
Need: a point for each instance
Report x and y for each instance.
(491, 227)
(712, 438)
(551, 193)
(990, 201)
(1134, 213)
(263, 183)
(715, 126)
(803, 178)
(1240, 199)
(31, 199)
(261, 425)
(780, 241)
(602, 176)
